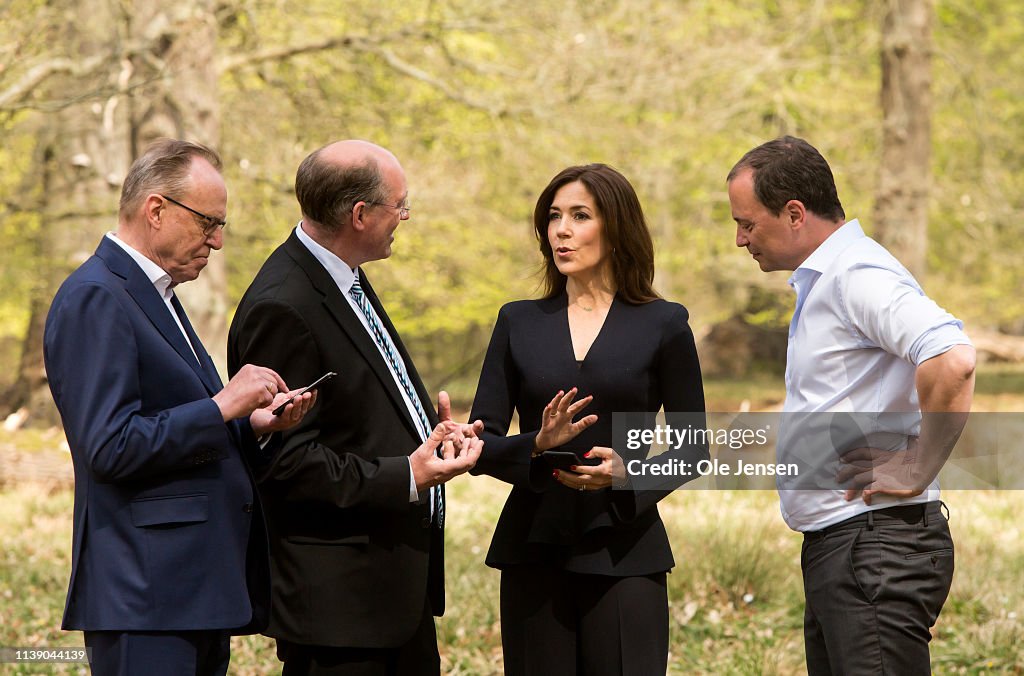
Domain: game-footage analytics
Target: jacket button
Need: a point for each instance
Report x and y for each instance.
(247, 508)
(425, 522)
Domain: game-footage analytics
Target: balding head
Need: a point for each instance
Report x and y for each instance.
(334, 178)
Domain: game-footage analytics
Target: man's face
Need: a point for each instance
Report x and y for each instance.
(382, 219)
(769, 238)
(181, 246)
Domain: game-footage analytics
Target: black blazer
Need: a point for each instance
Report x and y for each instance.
(643, 358)
(353, 561)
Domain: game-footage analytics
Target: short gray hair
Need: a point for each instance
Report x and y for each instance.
(327, 192)
(162, 168)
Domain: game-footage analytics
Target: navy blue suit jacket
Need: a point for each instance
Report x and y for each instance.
(168, 532)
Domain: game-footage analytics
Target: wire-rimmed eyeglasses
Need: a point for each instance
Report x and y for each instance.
(403, 209)
(209, 224)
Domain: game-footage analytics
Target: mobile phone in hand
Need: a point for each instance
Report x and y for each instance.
(308, 388)
(566, 459)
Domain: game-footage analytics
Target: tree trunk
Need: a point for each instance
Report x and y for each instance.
(181, 101)
(80, 161)
(86, 148)
(901, 205)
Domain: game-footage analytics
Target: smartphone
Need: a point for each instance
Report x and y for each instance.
(566, 459)
(308, 388)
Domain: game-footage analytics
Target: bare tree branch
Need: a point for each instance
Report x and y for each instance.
(39, 73)
(282, 52)
(412, 71)
(99, 92)
(376, 45)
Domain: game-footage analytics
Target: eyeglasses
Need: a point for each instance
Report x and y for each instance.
(403, 210)
(209, 224)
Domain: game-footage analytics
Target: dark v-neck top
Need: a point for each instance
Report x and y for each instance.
(643, 358)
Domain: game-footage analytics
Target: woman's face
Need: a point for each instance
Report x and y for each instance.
(576, 232)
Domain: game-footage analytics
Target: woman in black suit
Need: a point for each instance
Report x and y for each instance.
(583, 566)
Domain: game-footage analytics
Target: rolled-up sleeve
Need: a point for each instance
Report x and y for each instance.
(889, 310)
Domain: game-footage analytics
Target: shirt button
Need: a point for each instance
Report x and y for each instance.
(247, 508)
(425, 522)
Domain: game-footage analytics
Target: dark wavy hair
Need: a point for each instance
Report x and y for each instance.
(625, 230)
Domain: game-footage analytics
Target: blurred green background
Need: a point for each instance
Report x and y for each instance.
(484, 101)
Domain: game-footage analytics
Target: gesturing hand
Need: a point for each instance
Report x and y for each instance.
(444, 414)
(556, 425)
(459, 455)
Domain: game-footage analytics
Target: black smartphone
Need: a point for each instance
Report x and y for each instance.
(308, 388)
(566, 459)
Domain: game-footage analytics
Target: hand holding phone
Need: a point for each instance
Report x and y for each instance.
(308, 388)
(565, 459)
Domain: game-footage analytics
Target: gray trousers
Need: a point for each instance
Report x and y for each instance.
(874, 585)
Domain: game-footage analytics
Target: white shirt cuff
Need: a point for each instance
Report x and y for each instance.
(413, 493)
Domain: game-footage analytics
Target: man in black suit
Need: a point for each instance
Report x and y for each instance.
(355, 502)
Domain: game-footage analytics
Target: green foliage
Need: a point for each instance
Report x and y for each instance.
(978, 193)
(484, 101)
(18, 225)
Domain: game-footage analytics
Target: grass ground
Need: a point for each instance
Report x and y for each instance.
(736, 599)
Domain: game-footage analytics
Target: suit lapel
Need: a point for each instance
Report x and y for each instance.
(149, 301)
(207, 371)
(343, 313)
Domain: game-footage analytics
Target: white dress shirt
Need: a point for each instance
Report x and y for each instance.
(344, 276)
(161, 281)
(861, 326)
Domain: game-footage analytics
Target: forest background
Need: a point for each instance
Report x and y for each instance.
(484, 101)
(918, 105)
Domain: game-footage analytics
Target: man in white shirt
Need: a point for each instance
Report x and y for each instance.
(877, 558)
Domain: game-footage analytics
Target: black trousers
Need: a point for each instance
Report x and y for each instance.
(561, 623)
(160, 653)
(417, 657)
(874, 586)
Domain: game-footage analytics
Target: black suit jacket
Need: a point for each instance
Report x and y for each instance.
(353, 561)
(168, 534)
(643, 358)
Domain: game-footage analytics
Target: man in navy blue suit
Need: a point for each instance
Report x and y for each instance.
(169, 553)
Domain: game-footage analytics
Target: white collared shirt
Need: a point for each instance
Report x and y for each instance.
(344, 277)
(861, 326)
(161, 281)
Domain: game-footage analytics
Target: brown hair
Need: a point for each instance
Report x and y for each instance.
(790, 168)
(162, 168)
(625, 230)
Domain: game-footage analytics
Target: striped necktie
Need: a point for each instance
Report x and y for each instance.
(398, 368)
